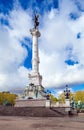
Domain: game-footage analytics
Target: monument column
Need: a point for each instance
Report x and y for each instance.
(35, 90)
(35, 77)
(35, 59)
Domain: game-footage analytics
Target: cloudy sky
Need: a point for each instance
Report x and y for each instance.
(61, 45)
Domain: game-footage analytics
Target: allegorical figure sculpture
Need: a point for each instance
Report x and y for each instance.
(36, 23)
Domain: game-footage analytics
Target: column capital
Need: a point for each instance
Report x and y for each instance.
(35, 32)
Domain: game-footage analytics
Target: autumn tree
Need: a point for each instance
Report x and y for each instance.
(79, 96)
(62, 97)
(6, 97)
(53, 98)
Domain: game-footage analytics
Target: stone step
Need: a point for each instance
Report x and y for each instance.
(32, 111)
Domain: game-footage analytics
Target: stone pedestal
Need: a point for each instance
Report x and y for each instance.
(31, 103)
(67, 103)
(67, 106)
(48, 103)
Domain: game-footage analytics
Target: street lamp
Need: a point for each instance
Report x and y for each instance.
(67, 92)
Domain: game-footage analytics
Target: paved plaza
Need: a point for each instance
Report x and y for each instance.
(42, 123)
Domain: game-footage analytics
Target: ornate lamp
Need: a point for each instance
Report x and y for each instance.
(67, 92)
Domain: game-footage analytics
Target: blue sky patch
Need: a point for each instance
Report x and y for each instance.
(78, 87)
(73, 16)
(28, 60)
(6, 6)
(71, 62)
(79, 6)
(4, 22)
(79, 35)
(39, 6)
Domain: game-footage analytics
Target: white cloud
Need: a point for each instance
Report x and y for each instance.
(58, 32)
(20, 21)
(12, 54)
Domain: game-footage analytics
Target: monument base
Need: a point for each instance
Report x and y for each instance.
(32, 103)
(34, 92)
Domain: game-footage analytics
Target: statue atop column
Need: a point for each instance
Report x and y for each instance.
(35, 89)
(36, 23)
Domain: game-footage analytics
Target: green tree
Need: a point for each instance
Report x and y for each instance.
(61, 98)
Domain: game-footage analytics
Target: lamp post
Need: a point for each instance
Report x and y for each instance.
(67, 92)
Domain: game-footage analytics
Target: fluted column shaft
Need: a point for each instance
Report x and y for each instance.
(35, 58)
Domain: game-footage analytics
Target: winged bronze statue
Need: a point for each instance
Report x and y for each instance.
(36, 23)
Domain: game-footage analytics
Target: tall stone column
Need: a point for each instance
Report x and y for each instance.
(35, 56)
(35, 89)
(35, 78)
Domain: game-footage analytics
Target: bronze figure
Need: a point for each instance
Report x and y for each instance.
(36, 23)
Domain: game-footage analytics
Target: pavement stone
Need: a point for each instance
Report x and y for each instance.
(41, 123)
